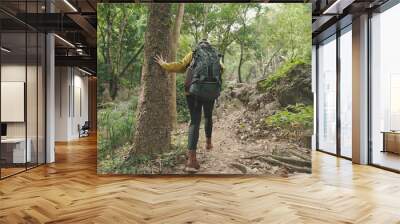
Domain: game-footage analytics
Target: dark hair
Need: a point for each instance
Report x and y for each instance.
(204, 42)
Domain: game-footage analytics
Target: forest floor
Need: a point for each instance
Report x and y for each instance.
(242, 143)
(235, 154)
(227, 149)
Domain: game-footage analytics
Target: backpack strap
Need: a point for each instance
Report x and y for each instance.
(210, 72)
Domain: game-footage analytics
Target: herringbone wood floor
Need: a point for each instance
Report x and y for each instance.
(69, 191)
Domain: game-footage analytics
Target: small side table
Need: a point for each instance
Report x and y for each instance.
(14, 150)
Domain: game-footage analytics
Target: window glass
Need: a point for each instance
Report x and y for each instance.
(22, 90)
(15, 150)
(346, 92)
(327, 95)
(385, 88)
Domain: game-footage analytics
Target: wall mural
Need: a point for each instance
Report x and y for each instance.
(204, 88)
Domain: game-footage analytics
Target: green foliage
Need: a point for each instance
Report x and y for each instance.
(172, 158)
(118, 165)
(146, 164)
(293, 117)
(281, 73)
(133, 166)
(120, 38)
(186, 45)
(287, 29)
(116, 125)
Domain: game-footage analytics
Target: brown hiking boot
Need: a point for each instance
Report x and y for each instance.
(192, 165)
(209, 145)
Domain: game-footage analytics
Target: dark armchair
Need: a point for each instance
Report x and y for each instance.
(84, 130)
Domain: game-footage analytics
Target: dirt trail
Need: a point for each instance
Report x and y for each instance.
(230, 155)
(227, 149)
(243, 144)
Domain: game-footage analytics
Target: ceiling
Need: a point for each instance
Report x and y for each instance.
(74, 22)
(330, 15)
(18, 52)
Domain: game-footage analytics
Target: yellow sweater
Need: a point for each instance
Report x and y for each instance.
(181, 66)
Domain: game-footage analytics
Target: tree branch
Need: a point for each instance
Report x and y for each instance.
(131, 60)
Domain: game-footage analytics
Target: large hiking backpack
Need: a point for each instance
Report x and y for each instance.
(205, 72)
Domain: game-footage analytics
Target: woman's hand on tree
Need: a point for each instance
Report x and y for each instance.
(159, 59)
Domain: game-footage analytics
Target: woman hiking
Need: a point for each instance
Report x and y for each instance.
(202, 87)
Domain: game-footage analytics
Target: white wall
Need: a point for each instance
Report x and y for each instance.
(62, 81)
(80, 89)
(13, 72)
(71, 87)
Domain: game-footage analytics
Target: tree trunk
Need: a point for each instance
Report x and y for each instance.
(240, 64)
(174, 48)
(112, 82)
(113, 87)
(153, 130)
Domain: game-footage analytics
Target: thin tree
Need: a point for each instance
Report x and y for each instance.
(205, 21)
(174, 48)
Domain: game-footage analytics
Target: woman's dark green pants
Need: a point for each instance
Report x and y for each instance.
(196, 105)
